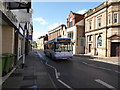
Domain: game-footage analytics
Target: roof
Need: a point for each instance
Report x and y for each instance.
(57, 27)
(75, 13)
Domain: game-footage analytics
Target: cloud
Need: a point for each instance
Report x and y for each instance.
(50, 27)
(36, 35)
(81, 11)
(41, 20)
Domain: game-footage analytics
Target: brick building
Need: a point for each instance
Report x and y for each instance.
(75, 31)
(57, 32)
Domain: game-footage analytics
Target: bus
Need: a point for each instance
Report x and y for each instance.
(59, 48)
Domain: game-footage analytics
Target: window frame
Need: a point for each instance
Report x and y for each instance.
(99, 45)
(109, 20)
(90, 24)
(114, 18)
(99, 23)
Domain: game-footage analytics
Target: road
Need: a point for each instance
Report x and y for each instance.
(80, 72)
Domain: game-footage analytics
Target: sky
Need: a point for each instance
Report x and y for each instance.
(48, 15)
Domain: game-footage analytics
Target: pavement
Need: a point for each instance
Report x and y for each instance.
(109, 60)
(33, 75)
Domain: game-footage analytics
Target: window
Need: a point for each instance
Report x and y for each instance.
(99, 22)
(70, 35)
(90, 37)
(90, 25)
(70, 22)
(99, 41)
(63, 32)
(115, 17)
(109, 21)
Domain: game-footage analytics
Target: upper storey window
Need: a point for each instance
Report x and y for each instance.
(99, 21)
(115, 17)
(70, 22)
(109, 21)
(90, 25)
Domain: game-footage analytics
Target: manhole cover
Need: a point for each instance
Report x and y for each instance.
(29, 77)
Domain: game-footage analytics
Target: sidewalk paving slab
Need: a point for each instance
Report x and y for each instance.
(33, 75)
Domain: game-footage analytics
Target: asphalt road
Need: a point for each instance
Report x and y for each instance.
(80, 72)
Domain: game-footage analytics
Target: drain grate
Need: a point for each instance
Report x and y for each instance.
(16, 75)
(30, 78)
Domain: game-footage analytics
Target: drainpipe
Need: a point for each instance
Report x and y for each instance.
(106, 27)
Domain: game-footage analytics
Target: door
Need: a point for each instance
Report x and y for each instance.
(115, 49)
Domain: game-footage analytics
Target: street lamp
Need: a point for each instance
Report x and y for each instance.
(25, 28)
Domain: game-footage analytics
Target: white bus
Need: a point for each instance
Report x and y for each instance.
(59, 48)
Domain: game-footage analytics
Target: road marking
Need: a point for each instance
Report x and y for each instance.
(100, 67)
(104, 83)
(57, 74)
(84, 62)
(65, 84)
(117, 71)
(48, 73)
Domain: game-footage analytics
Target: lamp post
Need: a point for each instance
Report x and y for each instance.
(25, 28)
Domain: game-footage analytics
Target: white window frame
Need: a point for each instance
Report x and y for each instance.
(90, 24)
(114, 18)
(98, 21)
(109, 19)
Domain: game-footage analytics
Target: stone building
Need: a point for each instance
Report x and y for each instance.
(57, 32)
(75, 31)
(102, 29)
(41, 41)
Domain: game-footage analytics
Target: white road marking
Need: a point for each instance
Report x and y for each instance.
(104, 83)
(48, 73)
(57, 74)
(84, 62)
(100, 67)
(117, 72)
(65, 84)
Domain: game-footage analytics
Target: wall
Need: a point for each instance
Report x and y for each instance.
(20, 46)
(7, 39)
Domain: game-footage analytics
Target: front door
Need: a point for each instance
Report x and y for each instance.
(115, 49)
